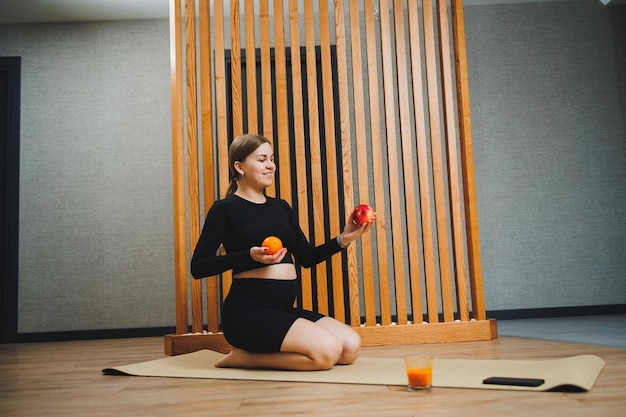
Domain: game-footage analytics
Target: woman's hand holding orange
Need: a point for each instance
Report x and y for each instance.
(260, 254)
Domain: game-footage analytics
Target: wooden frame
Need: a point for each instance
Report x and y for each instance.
(385, 122)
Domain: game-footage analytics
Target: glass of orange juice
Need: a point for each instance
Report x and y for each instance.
(419, 371)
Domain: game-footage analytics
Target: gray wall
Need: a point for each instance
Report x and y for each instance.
(96, 245)
(96, 232)
(549, 137)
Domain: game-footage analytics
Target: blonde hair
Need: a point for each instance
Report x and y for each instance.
(240, 148)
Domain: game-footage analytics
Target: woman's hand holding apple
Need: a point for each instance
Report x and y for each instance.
(359, 223)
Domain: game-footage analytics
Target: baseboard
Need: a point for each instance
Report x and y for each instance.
(538, 313)
(531, 313)
(93, 334)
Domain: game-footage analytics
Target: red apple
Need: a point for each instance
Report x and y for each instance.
(362, 214)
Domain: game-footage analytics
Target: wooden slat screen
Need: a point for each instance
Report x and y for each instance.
(366, 102)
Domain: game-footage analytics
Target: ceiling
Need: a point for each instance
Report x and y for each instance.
(37, 11)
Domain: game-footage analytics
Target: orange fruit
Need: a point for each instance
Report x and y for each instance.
(273, 244)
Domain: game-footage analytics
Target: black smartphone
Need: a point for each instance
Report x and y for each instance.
(520, 382)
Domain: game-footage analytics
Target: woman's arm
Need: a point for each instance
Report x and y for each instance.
(309, 255)
(306, 254)
(206, 261)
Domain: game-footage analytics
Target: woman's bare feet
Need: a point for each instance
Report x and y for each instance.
(236, 358)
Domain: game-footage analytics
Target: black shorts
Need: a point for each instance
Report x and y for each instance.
(258, 313)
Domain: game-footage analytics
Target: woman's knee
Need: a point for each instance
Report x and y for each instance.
(349, 338)
(328, 351)
(351, 348)
(323, 347)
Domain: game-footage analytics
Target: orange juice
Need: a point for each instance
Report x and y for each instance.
(420, 377)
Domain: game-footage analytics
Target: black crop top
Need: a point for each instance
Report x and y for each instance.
(240, 224)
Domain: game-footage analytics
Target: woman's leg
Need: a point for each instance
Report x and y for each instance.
(307, 346)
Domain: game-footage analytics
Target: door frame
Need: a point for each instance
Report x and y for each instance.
(10, 89)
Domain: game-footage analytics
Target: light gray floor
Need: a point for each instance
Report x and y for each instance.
(607, 330)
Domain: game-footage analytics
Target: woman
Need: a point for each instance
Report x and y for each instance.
(258, 317)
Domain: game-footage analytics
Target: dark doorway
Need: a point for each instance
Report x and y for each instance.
(10, 72)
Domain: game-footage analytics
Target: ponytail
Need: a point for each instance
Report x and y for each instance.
(232, 187)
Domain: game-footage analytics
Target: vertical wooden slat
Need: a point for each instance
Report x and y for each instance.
(377, 150)
(362, 158)
(422, 159)
(221, 115)
(235, 69)
(346, 155)
(435, 140)
(208, 146)
(392, 158)
(315, 153)
(407, 164)
(467, 158)
(178, 167)
(300, 153)
(458, 247)
(249, 19)
(266, 78)
(282, 110)
(331, 159)
(193, 186)
(440, 197)
(266, 71)
(220, 96)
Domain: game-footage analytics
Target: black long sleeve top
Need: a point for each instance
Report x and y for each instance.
(240, 224)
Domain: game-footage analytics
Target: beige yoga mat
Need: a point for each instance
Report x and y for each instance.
(576, 373)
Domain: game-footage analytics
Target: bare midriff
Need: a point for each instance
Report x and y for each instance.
(276, 271)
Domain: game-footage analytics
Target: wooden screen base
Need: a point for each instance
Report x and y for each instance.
(406, 334)
(178, 344)
(413, 334)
